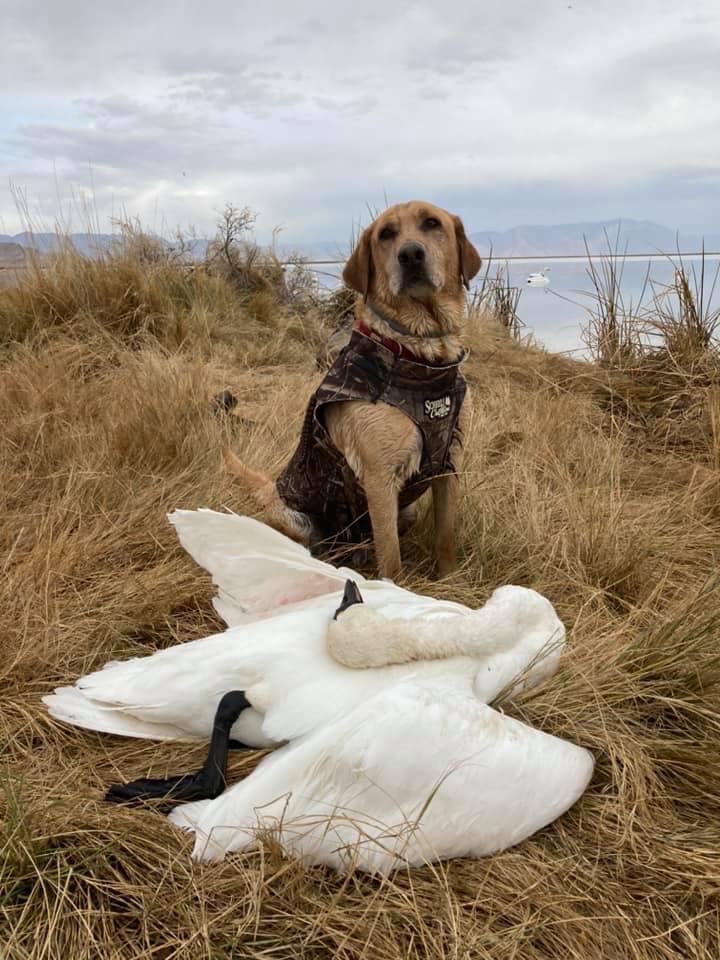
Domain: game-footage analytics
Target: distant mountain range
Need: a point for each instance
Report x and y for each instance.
(86, 243)
(568, 239)
(89, 244)
(635, 236)
(12, 253)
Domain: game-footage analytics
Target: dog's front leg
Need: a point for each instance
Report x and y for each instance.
(382, 498)
(445, 491)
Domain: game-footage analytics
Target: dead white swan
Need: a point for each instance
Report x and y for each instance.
(394, 754)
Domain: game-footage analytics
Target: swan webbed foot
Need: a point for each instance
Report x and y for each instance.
(208, 782)
(172, 790)
(351, 596)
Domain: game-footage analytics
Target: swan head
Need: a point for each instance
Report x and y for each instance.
(361, 637)
(355, 633)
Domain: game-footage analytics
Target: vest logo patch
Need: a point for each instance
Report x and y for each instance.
(438, 409)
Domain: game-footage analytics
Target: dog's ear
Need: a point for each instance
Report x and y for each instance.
(468, 256)
(358, 269)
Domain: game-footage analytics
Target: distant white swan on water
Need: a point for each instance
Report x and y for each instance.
(540, 279)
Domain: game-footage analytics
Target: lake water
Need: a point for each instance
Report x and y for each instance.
(557, 314)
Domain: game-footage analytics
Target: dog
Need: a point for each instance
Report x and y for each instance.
(389, 419)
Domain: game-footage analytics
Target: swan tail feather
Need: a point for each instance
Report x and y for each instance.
(70, 705)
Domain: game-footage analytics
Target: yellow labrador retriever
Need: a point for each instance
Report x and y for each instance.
(387, 422)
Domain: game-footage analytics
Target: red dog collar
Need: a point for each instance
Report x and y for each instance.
(397, 348)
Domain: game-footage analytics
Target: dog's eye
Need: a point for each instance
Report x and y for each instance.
(431, 223)
(387, 233)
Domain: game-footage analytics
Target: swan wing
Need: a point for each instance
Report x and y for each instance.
(173, 693)
(281, 662)
(256, 569)
(415, 774)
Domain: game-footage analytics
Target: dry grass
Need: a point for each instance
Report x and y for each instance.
(106, 377)
(494, 296)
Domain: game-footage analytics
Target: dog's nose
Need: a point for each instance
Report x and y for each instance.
(411, 254)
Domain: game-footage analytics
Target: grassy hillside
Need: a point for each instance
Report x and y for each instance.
(595, 483)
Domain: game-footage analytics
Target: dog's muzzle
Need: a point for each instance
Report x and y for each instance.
(412, 258)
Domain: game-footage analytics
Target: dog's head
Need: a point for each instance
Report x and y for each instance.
(412, 250)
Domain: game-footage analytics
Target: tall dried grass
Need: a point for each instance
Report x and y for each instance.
(107, 373)
(657, 363)
(494, 297)
(144, 288)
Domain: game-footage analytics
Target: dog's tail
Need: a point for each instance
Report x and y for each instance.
(260, 487)
(264, 492)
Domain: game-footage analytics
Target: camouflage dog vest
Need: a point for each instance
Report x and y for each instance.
(318, 481)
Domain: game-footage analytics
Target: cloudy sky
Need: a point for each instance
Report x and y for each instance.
(506, 111)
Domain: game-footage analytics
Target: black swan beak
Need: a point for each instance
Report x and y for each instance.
(351, 596)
